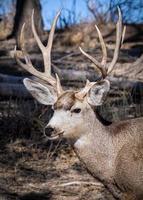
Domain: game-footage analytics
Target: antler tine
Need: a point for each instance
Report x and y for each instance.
(123, 34)
(29, 66)
(59, 87)
(40, 44)
(97, 64)
(46, 51)
(103, 46)
(101, 66)
(22, 46)
(22, 38)
(119, 37)
(51, 35)
(82, 93)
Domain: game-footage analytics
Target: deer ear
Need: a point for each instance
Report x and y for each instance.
(98, 93)
(44, 94)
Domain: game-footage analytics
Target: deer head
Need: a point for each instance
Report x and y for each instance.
(72, 109)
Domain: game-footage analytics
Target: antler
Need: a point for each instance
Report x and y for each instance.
(105, 68)
(46, 52)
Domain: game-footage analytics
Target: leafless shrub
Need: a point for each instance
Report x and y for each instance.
(99, 11)
(68, 16)
(131, 10)
(67, 19)
(105, 11)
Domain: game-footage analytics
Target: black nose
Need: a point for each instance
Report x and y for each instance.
(48, 131)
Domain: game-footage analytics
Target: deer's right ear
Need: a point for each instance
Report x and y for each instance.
(98, 93)
(44, 94)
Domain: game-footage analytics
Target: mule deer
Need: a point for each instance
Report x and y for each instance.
(111, 152)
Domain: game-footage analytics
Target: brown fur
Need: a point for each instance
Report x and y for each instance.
(128, 152)
(111, 152)
(65, 101)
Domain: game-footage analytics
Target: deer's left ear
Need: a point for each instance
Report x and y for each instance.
(98, 93)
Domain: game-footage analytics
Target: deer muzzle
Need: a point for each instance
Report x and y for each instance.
(52, 134)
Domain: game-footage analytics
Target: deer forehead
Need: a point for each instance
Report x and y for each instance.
(66, 101)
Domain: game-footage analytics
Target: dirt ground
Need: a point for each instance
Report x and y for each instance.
(32, 168)
(43, 171)
(37, 170)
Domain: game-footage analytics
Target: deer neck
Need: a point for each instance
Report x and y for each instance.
(96, 149)
(96, 129)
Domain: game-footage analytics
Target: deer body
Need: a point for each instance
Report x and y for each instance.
(115, 158)
(113, 153)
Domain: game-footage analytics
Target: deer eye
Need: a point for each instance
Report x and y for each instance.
(76, 110)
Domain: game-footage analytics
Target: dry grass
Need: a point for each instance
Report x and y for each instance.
(34, 169)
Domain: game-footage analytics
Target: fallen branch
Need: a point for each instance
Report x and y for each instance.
(73, 78)
(14, 90)
(4, 78)
(80, 183)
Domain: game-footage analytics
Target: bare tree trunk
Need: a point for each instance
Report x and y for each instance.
(20, 12)
(23, 15)
(7, 18)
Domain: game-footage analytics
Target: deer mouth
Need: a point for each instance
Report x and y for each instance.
(55, 136)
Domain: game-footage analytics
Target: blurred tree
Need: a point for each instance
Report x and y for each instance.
(23, 14)
(14, 13)
(68, 16)
(99, 9)
(132, 10)
(7, 13)
(106, 10)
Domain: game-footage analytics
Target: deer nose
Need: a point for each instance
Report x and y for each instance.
(49, 130)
